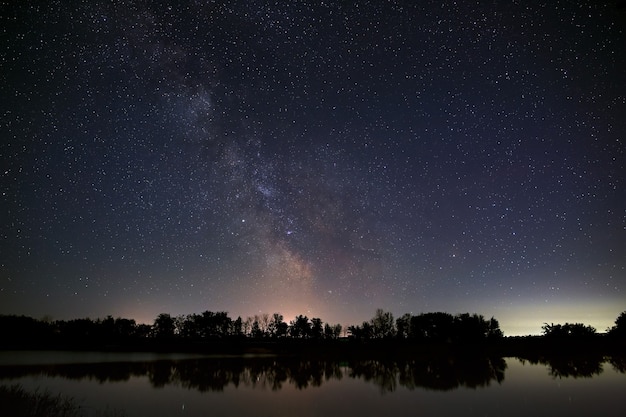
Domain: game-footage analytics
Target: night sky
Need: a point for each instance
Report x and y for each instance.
(317, 158)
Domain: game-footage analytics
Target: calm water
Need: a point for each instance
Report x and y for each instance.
(170, 385)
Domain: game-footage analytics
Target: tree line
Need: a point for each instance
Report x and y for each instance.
(218, 325)
(438, 327)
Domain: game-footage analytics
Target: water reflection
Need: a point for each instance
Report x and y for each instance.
(274, 373)
(618, 363)
(576, 366)
(444, 373)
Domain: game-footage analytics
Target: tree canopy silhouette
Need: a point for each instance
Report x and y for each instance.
(619, 329)
(208, 328)
(570, 330)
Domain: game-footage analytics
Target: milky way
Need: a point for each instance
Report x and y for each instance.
(318, 158)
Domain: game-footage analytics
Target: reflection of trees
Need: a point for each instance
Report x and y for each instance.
(575, 367)
(464, 371)
(384, 374)
(160, 373)
(274, 373)
(206, 375)
(618, 363)
(568, 366)
(101, 372)
(444, 372)
(438, 373)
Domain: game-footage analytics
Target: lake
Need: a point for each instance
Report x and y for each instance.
(144, 384)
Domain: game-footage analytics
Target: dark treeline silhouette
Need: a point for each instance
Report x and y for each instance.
(208, 330)
(24, 332)
(215, 374)
(568, 330)
(434, 327)
(218, 325)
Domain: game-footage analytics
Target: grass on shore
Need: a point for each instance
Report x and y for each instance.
(15, 401)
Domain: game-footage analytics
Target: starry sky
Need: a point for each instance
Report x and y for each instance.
(324, 158)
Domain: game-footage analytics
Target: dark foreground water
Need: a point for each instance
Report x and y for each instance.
(171, 385)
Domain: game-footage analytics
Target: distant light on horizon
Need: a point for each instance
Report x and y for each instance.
(528, 320)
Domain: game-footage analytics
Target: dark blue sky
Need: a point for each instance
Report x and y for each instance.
(318, 158)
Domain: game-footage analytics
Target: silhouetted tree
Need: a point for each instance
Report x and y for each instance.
(142, 331)
(278, 327)
(77, 331)
(256, 331)
(105, 329)
(300, 327)
(553, 330)
(580, 330)
(403, 326)
(470, 328)
(264, 322)
(436, 327)
(188, 327)
(337, 328)
(576, 330)
(163, 327)
(328, 331)
(364, 331)
(354, 331)
(247, 326)
(23, 331)
(317, 329)
(332, 332)
(260, 325)
(494, 331)
(238, 327)
(223, 323)
(619, 329)
(383, 325)
(101, 331)
(213, 325)
(271, 326)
